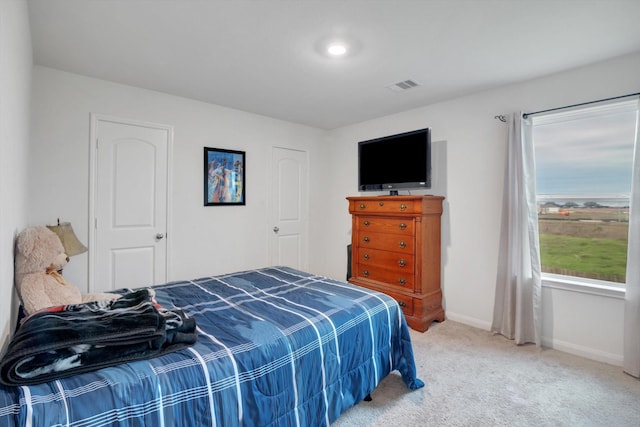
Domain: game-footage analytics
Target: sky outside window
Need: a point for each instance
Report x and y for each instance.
(588, 156)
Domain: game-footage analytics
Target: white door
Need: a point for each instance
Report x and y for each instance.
(128, 239)
(290, 208)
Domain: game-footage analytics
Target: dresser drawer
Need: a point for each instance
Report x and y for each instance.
(378, 224)
(402, 263)
(405, 302)
(392, 278)
(386, 206)
(385, 241)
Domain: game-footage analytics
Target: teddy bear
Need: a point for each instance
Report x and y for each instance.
(40, 258)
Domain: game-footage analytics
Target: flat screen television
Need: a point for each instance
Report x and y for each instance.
(395, 162)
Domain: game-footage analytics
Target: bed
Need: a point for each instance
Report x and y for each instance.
(275, 347)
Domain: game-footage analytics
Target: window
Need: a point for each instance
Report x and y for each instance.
(583, 181)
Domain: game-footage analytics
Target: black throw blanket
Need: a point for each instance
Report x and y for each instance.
(66, 340)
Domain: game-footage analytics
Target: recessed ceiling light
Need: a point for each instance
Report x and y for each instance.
(336, 49)
(337, 46)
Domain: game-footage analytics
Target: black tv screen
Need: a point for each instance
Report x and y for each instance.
(395, 162)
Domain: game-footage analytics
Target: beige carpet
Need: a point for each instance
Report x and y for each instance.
(474, 378)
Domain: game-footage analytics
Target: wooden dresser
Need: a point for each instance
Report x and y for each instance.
(396, 250)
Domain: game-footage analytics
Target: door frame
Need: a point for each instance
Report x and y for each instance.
(93, 178)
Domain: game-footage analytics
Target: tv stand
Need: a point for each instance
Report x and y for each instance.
(396, 250)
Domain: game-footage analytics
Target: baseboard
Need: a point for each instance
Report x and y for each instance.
(564, 346)
(582, 351)
(471, 321)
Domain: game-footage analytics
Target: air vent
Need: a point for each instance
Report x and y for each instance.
(403, 85)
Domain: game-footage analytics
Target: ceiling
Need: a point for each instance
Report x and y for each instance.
(266, 57)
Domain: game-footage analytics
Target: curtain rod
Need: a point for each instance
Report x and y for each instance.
(525, 115)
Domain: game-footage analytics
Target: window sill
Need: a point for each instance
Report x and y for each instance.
(583, 285)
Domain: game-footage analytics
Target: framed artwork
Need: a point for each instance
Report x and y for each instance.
(224, 177)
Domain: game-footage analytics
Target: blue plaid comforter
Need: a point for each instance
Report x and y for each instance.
(276, 347)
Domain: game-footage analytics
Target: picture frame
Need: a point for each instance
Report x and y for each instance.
(224, 177)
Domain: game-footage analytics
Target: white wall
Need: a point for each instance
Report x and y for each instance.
(471, 145)
(204, 240)
(15, 84)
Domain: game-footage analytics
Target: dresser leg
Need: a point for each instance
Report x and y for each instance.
(421, 324)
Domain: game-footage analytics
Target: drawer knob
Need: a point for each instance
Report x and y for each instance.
(365, 273)
(402, 281)
(366, 239)
(365, 256)
(366, 223)
(381, 203)
(362, 206)
(402, 262)
(402, 244)
(402, 226)
(402, 303)
(403, 207)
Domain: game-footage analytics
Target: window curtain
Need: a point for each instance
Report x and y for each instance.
(631, 363)
(517, 309)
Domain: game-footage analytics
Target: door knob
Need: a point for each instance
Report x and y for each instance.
(159, 236)
(276, 229)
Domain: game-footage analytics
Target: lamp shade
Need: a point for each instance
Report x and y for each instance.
(72, 245)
